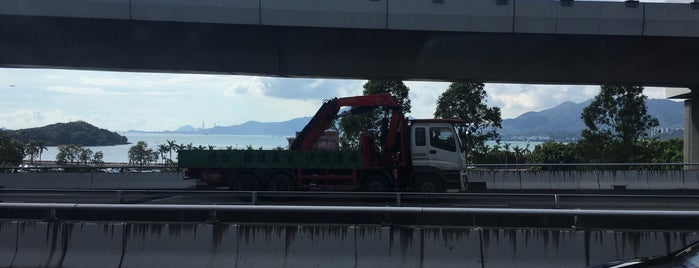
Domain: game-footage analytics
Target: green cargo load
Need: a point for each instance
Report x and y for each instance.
(346, 159)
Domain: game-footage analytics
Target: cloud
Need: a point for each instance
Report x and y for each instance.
(310, 89)
(245, 86)
(516, 99)
(26, 118)
(82, 90)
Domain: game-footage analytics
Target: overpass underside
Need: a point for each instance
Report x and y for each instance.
(157, 46)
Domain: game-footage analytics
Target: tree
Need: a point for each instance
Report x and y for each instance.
(141, 154)
(351, 126)
(72, 154)
(32, 150)
(616, 118)
(62, 155)
(42, 147)
(85, 155)
(162, 149)
(97, 158)
(466, 100)
(172, 145)
(69, 154)
(11, 151)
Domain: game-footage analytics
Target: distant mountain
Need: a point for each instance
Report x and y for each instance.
(79, 133)
(285, 128)
(560, 123)
(563, 122)
(186, 128)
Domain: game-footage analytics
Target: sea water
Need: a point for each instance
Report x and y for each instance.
(120, 153)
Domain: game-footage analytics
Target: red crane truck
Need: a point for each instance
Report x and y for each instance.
(422, 155)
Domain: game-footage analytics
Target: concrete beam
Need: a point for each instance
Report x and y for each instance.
(671, 20)
(205, 11)
(363, 14)
(104, 9)
(691, 132)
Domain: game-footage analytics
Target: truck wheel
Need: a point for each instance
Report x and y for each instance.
(428, 184)
(375, 183)
(246, 182)
(281, 183)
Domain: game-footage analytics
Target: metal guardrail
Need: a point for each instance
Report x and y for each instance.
(383, 199)
(126, 168)
(352, 209)
(584, 164)
(88, 168)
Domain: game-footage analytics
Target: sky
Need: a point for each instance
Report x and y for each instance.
(121, 101)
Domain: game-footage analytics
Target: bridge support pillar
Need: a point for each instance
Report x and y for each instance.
(691, 131)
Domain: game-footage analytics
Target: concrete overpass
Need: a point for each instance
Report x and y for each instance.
(520, 41)
(523, 41)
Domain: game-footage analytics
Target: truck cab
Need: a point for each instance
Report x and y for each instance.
(437, 155)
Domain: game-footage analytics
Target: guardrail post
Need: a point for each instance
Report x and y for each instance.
(254, 198)
(120, 197)
(556, 201)
(51, 215)
(398, 199)
(213, 217)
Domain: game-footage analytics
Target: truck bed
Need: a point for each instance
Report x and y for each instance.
(344, 159)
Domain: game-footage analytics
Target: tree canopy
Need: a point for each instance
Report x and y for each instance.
(142, 155)
(11, 151)
(351, 126)
(616, 118)
(466, 100)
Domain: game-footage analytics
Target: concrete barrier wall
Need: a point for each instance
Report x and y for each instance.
(587, 180)
(56, 244)
(180, 245)
(8, 242)
(126, 180)
(66, 244)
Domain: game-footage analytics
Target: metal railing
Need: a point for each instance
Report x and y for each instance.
(351, 209)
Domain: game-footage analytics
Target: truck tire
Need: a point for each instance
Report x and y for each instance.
(428, 184)
(375, 183)
(245, 182)
(281, 182)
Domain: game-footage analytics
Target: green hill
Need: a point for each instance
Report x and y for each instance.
(80, 133)
(563, 122)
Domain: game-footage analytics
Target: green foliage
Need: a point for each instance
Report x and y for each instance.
(466, 100)
(615, 119)
(646, 151)
(659, 151)
(80, 133)
(162, 150)
(11, 151)
(501, 153)
(351, 126)
(142, 155)
(97, 158)
(77, 154)
(552, 152)
(33, 149)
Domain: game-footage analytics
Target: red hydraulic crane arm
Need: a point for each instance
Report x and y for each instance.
(328, 112)
(375, 100)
